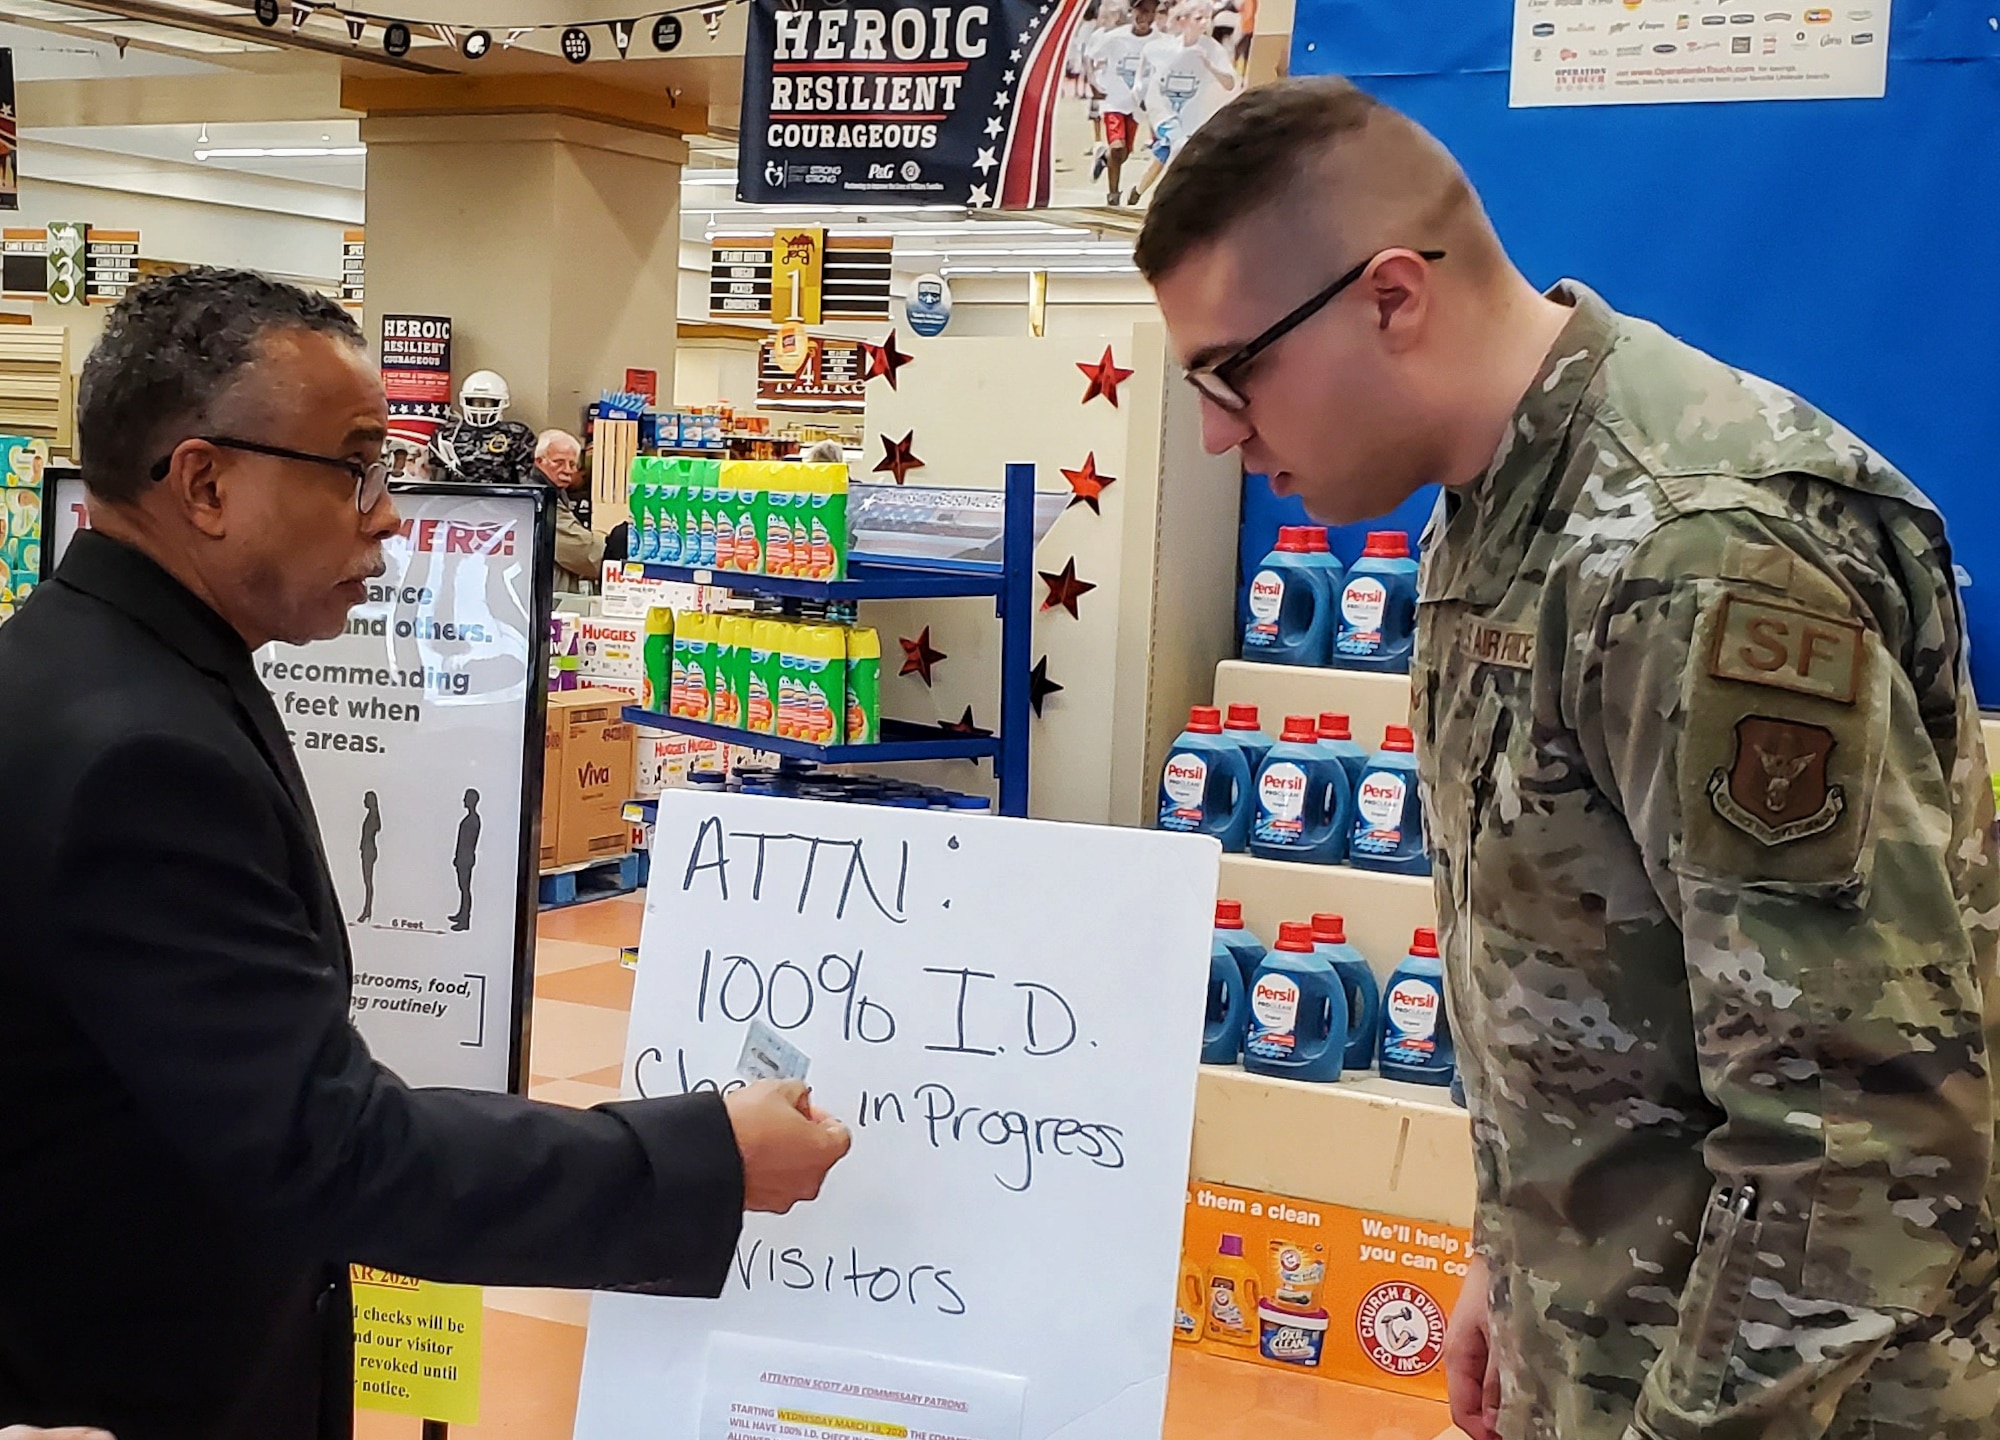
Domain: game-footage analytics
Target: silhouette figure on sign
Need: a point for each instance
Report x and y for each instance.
(371, 830)
(466, 857)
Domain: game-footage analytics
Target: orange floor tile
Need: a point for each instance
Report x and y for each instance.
(533, 1350)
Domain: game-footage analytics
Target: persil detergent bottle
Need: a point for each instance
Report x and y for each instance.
(1228, 1008)
(1241, 725)
(1388, 816)
(1358, 983)
(1305, 808)
(1321, 554)
(1336, 737)
(1298, 1012)
(1205, 788)
(1230, 932)
(1416, 1033)
(1378, 607)
(1291, 605)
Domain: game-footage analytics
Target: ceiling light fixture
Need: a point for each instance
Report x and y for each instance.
(281, 152)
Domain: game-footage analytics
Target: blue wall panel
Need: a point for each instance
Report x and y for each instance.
(1847, 249)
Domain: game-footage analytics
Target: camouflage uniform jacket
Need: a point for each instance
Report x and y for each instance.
(1718, 887)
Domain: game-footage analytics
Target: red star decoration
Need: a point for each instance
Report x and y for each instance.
(919, 657)
(1105, 378)
(1040, 687)
(1065, 589)
(963, 726)
(899, 457)
(884, 360)
(1088, 484)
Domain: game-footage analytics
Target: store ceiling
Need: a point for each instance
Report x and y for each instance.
(72, 54)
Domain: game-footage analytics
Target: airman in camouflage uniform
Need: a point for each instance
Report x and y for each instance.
(1718, 890)
(1709, 808)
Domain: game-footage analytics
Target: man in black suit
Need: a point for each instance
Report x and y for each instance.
(194, 1142)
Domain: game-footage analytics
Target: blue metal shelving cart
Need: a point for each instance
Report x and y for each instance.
(1010, 583)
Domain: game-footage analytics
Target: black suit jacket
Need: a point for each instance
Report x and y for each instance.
(194, 1142)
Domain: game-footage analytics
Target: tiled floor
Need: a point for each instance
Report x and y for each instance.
(533, 1351)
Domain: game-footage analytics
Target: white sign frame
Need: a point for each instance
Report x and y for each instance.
(977, 1222)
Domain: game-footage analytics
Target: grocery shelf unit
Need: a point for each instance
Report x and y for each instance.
(1380, 1145)
(1010, 583)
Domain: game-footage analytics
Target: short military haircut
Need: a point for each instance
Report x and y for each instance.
(1383, 170)
(171, 350)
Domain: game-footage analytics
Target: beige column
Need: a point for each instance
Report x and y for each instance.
(552, 242)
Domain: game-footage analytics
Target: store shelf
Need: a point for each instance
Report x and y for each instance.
(875, 578)
(1011, 586)
(1371, 702)
(900, 741)
(1367, 1143)
(1382, 911)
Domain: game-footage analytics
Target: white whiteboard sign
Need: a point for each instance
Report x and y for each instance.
(1650, 52)
(1008, 1013)
(411, 730)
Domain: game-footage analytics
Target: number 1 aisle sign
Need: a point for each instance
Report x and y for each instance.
(1008, 1014)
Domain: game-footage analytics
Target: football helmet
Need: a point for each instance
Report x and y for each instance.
(484, 398)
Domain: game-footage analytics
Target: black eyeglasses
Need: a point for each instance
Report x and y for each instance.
(371, 478)
(1214, 380)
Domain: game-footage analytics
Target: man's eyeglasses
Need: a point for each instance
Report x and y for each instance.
(1218, 380)
(371, 478)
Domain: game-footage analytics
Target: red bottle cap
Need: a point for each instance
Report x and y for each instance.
(1329, 930)
(1316, 541)
(1387, 545)
(1425, 943)
(1398, 737)
(1334, 727)
(1229, 914)
(1205, 720)
(1291, 539)
(1242, 717)
(1300, 730)
(1295, 937)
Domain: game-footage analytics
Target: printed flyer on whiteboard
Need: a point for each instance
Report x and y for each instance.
(412, 730)
(1650, 52)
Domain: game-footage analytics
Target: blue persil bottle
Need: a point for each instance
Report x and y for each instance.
(1378, 607)
(1337, 739)
(1291, 605)
(1357, 980)
(1416, 1032)
(1242, 725)
(1230, 933)
(1305, 804)
(1228, 1009)
(1205, 787)
(1321, 554)
(1298, 1012)
(1388, 815)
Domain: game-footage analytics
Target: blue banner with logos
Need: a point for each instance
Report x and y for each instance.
(1846, 249)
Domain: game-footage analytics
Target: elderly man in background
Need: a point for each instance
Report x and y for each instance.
(579, 550)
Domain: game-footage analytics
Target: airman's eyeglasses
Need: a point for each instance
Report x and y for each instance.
(1217, 380)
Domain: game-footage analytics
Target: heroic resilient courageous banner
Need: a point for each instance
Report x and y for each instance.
(903, 103)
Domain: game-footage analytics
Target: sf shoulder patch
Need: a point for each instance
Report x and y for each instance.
(1777, 790)
(1784, 723)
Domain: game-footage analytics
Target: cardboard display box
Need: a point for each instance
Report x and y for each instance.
(1322, 1290)
(587, 761)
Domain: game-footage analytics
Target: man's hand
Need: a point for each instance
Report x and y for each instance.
(1472, 1376)
(787, 1144)
(68, 1432)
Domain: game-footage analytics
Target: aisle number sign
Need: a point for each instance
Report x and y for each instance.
(797, 265)
(416, 1346)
